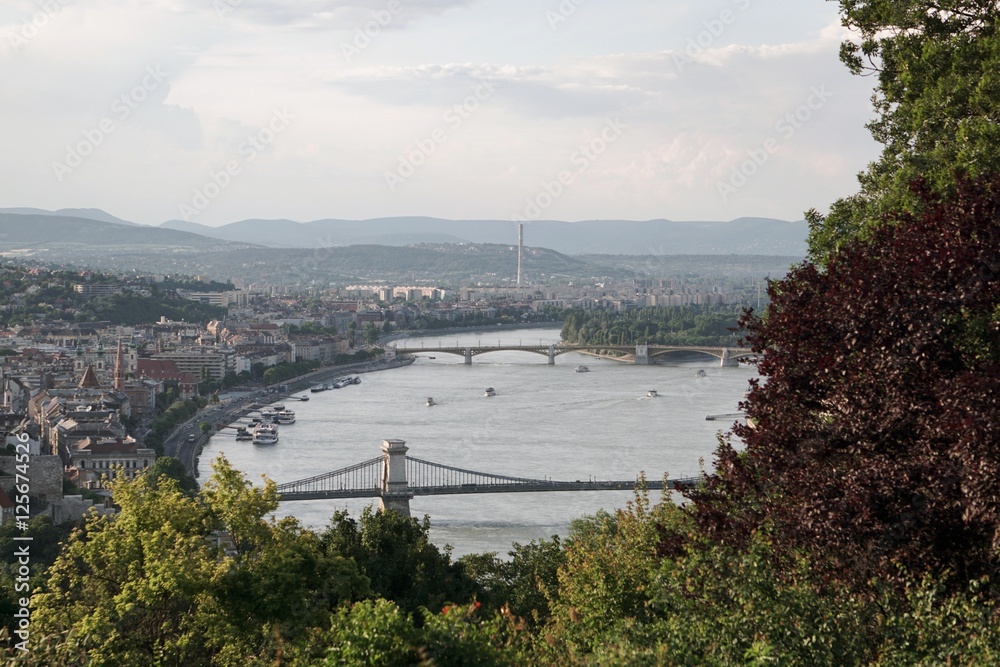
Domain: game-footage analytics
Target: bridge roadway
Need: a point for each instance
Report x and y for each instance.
(521, 487)
(395, 478)
(638, 354)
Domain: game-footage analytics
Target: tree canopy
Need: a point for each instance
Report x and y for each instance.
(937, 103)
(875, 441)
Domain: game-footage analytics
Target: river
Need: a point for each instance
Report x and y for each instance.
(545, 421)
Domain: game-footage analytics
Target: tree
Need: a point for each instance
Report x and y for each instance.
(371, 334)
(937, 102)
(394, 552)
(874, 444)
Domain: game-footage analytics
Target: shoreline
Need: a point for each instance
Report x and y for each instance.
(190, 456)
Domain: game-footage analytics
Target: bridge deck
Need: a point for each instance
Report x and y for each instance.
(537, 487)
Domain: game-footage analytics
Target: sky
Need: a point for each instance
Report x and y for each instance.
(214, 111)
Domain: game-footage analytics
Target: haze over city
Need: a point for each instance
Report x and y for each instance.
(450, 108)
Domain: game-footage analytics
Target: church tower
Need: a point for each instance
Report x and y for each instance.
(119, 367)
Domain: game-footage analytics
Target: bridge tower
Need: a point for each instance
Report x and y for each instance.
(552, 355)
(728, 360)
(642, 355)
(396, 492)
(468, 356)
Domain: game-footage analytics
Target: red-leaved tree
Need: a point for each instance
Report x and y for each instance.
(873, 442)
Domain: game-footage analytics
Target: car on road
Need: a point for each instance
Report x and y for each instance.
(192, 437)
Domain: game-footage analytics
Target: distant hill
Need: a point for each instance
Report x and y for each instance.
(744, 236)
(88, 213)
(35, 231)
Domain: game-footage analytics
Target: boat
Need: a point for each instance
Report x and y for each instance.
(277, 407)
(701, 373)
(285, 417)
(355, 380)
(268, 415)
(430, 401)
(320, 387)
(340, 383)
(243, 434)
(489, 392)
(265, 434)
(651, 393)
(582, 369)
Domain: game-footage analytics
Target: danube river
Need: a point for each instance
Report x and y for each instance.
(545, 421)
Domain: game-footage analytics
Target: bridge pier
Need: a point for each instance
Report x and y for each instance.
(468, 356)
(552, 355)
(642, 355)
(728, 361)
(396, 491)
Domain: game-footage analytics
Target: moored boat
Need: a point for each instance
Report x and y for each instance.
(242, 433)
(265, 434)
(285, 417)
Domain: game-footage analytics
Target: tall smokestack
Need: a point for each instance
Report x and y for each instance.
(520, 250)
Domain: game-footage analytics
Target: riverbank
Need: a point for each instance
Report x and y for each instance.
(430, 333)
(220, 415)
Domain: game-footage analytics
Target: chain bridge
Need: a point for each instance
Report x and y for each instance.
(395, 478)
(638, 354)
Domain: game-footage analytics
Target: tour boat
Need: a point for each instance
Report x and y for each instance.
(265, 434)
(243, 434)
(268, 414)
(489, 392)
(285, 417)
(582, 369)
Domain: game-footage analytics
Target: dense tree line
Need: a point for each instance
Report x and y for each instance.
(681, 325)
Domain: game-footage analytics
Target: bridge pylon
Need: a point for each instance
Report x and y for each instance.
(642, 355)
(396, 491)
(728, 360)
(468, 356)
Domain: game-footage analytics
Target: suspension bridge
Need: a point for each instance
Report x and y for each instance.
(395, 478)
(642, 355)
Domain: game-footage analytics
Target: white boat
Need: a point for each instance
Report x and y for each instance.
(277, 407)
(651, 393)
(285, 417)
(430, 401)
(265, 434)
(582, 369)
(489, 392)
(268, 414)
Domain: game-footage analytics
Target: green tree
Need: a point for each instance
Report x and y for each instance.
(394, 552)
(937, 102)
